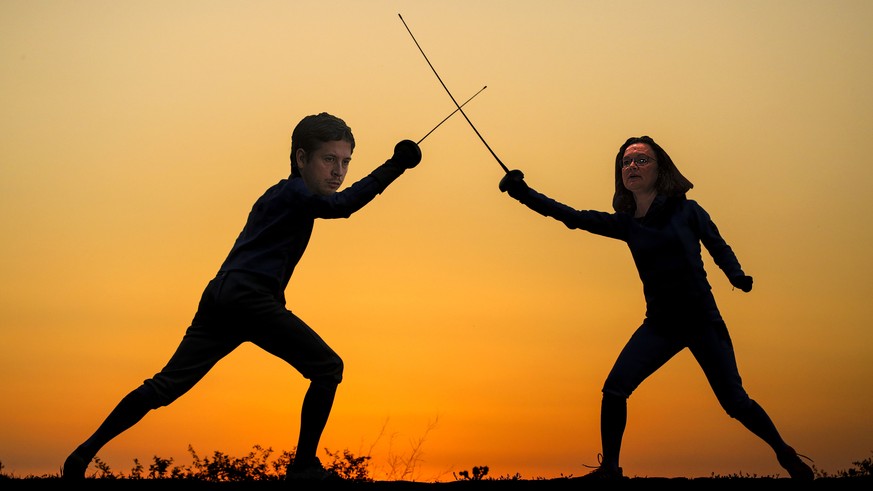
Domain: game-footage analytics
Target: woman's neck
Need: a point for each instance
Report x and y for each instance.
(644, 200)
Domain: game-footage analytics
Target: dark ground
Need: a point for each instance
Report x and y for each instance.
(706, 484)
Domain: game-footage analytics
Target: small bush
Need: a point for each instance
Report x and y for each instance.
(254, 466)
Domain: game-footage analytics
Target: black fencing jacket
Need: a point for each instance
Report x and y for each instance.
(280, 223)
(665, 245)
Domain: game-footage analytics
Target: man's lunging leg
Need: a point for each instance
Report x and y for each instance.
(127, 413)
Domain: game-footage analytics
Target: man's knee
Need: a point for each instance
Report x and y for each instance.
(149, 396)
(160, 391)
(330, 373)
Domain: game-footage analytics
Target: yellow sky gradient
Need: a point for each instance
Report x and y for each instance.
(136, 136)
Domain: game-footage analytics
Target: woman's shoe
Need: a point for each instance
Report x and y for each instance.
(797, 468)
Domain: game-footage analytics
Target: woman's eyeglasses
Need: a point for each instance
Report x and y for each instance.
(640, 161)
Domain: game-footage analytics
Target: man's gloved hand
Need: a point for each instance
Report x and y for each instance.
(742, 282)
(406, 154)
(513, 183)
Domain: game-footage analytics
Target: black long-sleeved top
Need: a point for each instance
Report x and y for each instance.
(280, 223)
(665, 245)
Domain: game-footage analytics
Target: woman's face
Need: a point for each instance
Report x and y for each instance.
(639, 169)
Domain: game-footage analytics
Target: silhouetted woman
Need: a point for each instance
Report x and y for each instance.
(664, 230)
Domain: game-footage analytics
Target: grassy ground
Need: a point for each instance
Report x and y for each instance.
(707, 484)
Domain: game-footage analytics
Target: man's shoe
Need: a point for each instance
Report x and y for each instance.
(311, 471)
(74, 468)
(797, 468)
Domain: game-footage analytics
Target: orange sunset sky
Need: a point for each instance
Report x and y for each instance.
(136, 136)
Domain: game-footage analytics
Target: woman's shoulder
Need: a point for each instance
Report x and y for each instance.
(683, 201)
(692, 210)
(691, 203)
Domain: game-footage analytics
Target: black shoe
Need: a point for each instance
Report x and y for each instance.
(602, 472)
(311, 471)
(797, 468)
(74, 468)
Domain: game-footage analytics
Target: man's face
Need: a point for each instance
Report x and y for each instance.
(324, 170)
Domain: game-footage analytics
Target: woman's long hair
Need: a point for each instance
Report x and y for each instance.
(670, 181)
